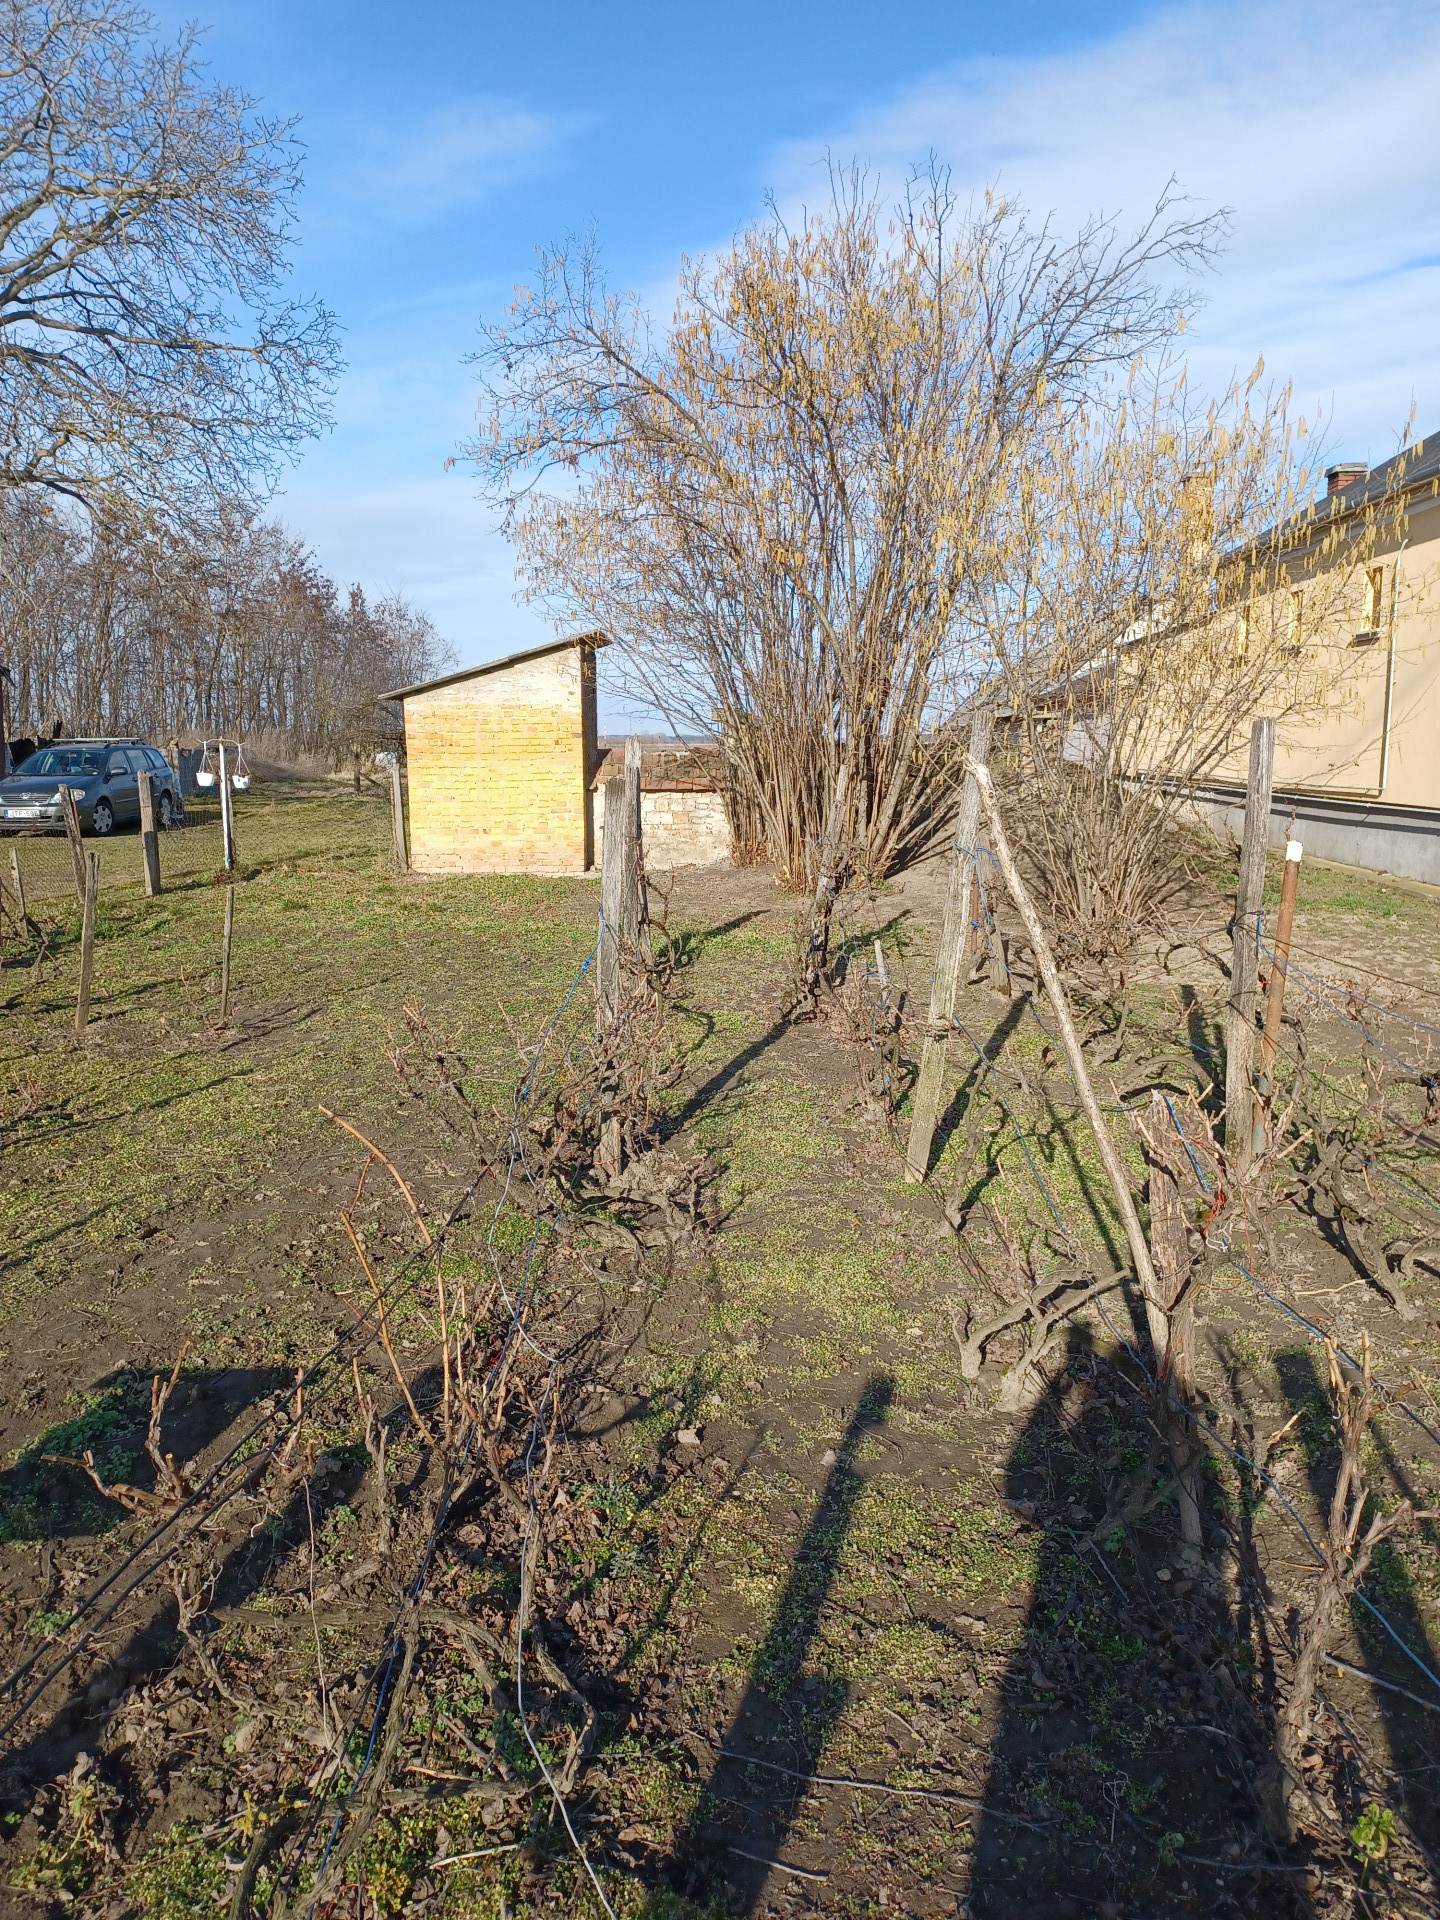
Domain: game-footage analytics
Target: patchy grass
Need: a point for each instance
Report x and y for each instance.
(163, 1112)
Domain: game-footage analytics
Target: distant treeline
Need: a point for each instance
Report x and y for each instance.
(231, 628)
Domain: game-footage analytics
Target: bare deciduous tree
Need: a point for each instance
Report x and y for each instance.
(777, 506)
(147, 352)
(227, 625)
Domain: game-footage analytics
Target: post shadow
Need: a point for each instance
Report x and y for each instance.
(152, 1645)
(960, 1101)
(778, 1709)
(1409, 1730)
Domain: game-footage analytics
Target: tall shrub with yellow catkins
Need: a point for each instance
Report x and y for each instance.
(783, 505)
(1163, 574)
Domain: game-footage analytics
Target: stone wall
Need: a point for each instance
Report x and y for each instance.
(678, 828)
(497, 766)
(684, 821)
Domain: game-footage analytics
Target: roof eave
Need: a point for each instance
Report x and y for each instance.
(593, 640)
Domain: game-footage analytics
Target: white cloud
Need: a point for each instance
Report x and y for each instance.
(449, 159)
(1315, 125)
(428, 538)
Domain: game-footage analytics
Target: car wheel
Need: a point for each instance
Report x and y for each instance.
(102, 820)
(165, 813)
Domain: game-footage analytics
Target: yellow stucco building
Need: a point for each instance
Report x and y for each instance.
(1360, 773)
(500, 759)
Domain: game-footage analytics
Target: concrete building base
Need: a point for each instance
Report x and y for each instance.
(1364, 834)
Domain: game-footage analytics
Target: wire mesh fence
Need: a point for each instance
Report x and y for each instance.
(192, 849)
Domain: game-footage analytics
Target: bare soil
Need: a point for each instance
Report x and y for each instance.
(858, 1643)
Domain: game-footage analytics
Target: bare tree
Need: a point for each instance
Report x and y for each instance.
(1161, 577)
(146, 351)
(775, 507)
(228, 624)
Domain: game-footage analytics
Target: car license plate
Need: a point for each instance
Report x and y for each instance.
(22, 813)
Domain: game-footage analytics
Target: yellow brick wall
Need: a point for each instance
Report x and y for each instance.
(498, 769)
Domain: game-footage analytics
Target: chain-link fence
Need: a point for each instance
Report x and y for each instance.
(190, 849)
(320, 824)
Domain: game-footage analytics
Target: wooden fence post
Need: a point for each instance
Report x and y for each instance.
(622, 906)
(87, 943)
(355, 752)
(225, 953)
(179, 779)
(149, 839)
(227, 815)
(1244, 999)
(955, 929)
(1275, 991)
(70, 814)
(1155, 1318)
(1170, 1251)
(397, 812)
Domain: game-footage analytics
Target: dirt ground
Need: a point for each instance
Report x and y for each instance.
(857, 1640)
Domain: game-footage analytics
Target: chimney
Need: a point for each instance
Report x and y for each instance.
(1344, 475)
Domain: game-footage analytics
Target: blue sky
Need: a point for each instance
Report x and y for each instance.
(447, 141)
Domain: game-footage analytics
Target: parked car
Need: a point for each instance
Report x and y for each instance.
(102, 776)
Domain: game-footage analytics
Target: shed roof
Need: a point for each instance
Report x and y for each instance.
(498, 666)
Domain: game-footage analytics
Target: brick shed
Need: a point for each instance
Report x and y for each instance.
(684, 820)
(500, 760)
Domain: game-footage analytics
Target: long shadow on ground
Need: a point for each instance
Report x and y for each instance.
(748, 1809)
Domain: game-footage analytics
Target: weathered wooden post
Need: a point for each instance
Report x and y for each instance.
(179, 777)
(70, 814)
(149, 838)
(1244, 999)
(622, 906)
(227, 814)
(355, 752)
(17, 888)
(1114, 1166)
(622, 919)
(1003, 981)
(87, 943)
(397, 814)
(955, 927)
(225, 953)
(1275, 990)
(1170, 1252)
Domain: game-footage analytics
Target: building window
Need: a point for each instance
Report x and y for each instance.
(1374, 597)
(1297, 623)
